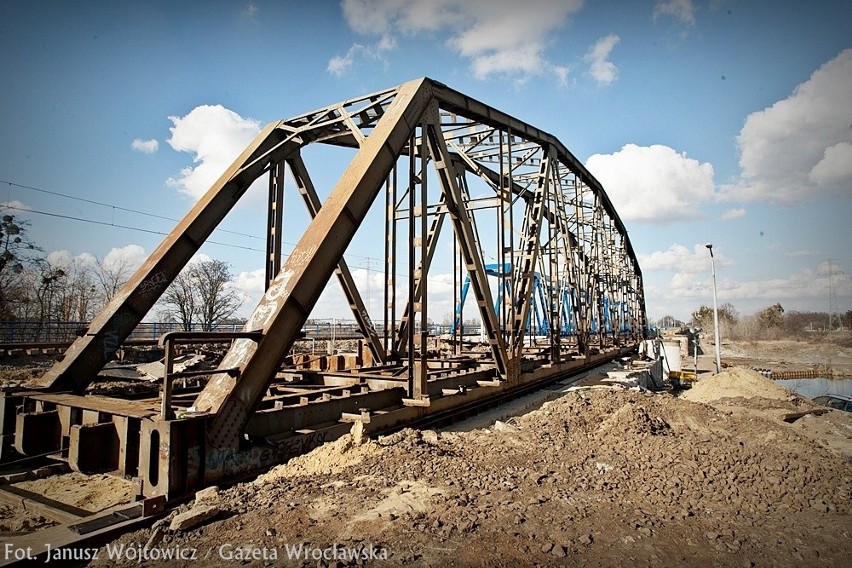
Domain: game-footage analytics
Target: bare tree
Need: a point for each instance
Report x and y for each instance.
(217, 298)
(112, 275)
(73, 297)
(179, 299)
(17, 251)
(203, 293)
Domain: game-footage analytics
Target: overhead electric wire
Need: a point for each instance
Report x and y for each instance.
(119, 207)
(154, 215)
(118, 226)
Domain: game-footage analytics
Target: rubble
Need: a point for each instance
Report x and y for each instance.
(193, 517)
(599, 477)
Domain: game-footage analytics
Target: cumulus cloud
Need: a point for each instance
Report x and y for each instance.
(124, 259)
(214, 136)
(653, 183)
(340, 64)
(805, 289)
(601, 68)
(800, 148)
(69, 263)
(681, 10)
(734, 213)
(145, 146)
(835, 166)
(250, 284)
(682, 260)
(498, 37)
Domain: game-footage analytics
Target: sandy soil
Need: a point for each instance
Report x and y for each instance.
(603, 477)
(92, 493)
(830, 352)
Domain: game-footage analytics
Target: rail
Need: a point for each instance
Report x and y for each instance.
(54, 334)
(168, 342)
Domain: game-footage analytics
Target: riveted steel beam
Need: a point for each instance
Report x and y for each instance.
(344, 276)
(90, 352)
(467, 241)
(287, 303)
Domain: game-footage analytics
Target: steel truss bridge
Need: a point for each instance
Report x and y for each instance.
(430, 162)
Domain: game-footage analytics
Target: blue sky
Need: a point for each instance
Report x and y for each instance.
(722, 121)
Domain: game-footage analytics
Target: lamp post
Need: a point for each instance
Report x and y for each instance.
(715, 309)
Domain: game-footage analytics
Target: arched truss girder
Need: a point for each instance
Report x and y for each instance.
(554, 218)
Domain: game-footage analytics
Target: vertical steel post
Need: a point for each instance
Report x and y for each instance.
(275, 216)
(715, 311)
(168, 381)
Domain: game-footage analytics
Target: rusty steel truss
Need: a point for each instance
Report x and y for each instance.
(444, 164)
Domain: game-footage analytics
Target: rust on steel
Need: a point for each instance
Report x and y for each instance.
(344, 276)
(287, 303)
(90, 352)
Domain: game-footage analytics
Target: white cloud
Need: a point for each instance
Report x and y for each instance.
(681, 10)
(340, 64)
(678, 258)
(15, 204)
(69, 263)
(835, 166)
(734, 213)
(251, 285)
(600, 68)
(803, 290)
(124, 259)
(60, 259)
(800, 148)
(653, 183)
(796, 253)
(499, 37)
(145, 146)
(215, 136)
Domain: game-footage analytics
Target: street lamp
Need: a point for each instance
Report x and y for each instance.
(715, 309)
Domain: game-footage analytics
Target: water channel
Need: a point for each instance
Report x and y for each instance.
(815, 387)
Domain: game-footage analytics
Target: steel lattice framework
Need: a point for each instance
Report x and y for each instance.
(421, 146)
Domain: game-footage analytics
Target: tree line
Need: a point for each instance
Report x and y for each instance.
(770, 322)
(35, 287)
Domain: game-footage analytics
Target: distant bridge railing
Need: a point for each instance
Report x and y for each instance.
(16, 331)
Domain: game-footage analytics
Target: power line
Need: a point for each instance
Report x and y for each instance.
(147, 214)
(118, 226)
(118, 207)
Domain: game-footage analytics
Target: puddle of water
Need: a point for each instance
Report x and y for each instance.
(816, 387)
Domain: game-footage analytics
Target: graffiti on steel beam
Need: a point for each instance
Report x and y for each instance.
(230, 461)
(153, 285)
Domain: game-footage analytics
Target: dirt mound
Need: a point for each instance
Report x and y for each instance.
(733, 383)
(635, 420)
(329, 459)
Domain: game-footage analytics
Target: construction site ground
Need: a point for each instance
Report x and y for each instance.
(590, 477)
(831, 352)
(597, 477)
